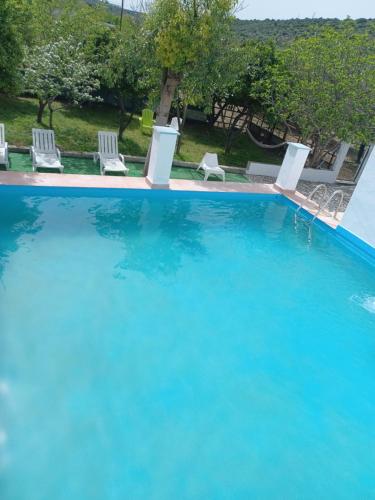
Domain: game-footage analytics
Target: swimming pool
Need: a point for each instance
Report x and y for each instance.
(157, 345)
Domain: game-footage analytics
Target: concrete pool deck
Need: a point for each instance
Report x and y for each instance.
(115, 182)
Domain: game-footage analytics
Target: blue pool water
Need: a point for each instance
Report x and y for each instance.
(171, 346)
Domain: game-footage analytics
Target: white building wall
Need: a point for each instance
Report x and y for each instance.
(308, 174)
(359, 217)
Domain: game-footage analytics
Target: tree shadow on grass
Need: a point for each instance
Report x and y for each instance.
(99, 115)
(12, 107)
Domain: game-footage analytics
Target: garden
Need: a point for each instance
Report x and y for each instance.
(77, 67)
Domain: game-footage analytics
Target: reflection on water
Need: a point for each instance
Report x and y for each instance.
(143, 229)
(18, 216)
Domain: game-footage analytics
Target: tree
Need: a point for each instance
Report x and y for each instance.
(59, 70)
(12, 34)
(214, 74)
(255, 87)
(124, 70)
(180, 34)
(329, 88)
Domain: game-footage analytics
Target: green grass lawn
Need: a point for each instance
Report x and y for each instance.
(21, 162)
(76, 130)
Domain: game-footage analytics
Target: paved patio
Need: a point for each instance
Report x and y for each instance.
(306, 187)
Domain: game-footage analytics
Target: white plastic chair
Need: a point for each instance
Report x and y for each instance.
(210, 166)
(108, 155)
(4, 157)
(44, 152)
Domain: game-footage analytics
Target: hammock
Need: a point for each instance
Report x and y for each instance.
(265, 146)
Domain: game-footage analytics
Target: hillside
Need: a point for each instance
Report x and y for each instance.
(280, 30)
(288, 29)
(114, 9)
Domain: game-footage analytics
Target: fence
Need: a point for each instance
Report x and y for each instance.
(274, 133)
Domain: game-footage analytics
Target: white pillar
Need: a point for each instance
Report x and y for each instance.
(359, 218)
(340, 158)
(161, 157)
(291, 169)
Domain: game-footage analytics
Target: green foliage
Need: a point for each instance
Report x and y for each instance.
(329, 86)
(123, 66)
(185, 39)
(185, 31)
(254, 90)
(282, 31)
(60, 69)
(53, 19)
(255, 86)
(12, 39)
(215, 74)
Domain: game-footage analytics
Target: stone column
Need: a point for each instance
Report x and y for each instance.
(291, 169)
(161, 157)
(359, 218)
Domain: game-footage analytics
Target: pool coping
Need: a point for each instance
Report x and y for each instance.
(114, 183)
(39, 179)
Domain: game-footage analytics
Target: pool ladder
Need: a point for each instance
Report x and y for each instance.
(322, 205)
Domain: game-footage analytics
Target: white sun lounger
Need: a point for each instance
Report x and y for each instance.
(44, 152)
(110, 159)
(210, 166)
(4, 157)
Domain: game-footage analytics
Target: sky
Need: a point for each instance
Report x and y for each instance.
(286, 9)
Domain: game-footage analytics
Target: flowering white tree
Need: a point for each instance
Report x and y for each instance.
(60, 69)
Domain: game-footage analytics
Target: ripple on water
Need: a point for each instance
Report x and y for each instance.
(365, 301)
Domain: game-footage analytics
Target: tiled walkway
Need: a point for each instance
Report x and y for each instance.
(98, 181)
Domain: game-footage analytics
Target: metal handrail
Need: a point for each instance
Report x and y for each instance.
(309, 198)
(326, 204)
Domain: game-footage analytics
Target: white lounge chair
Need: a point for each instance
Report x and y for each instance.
(44, 152)
(4, 157)
(210, 166)
(108, 155)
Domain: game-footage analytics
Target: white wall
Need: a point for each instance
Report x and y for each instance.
(162, 150)
(359, 217)
(308, 174)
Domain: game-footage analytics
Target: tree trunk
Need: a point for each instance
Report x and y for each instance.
(229, 141)
(169, 83)
(181, 125)
(50, 115)
(317, 152)
(42, 105)
(121, 126)
(213, 118)
(247, 116)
